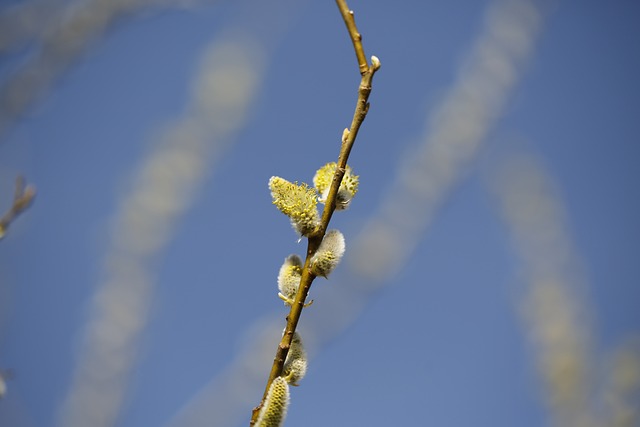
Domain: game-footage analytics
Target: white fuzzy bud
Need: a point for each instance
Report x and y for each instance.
(289, 278)
(375, 63)
(329, 254)
(295, 365)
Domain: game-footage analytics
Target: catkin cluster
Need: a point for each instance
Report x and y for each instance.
(299, 202)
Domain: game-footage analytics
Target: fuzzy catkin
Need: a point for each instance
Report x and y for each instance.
(295, 365)
(298, 202)
(289, 278)
(348, 187)
(329, 254)
(274, 409)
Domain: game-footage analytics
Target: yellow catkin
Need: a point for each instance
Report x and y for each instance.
(274, 410)
(348, 187)
(298, 202)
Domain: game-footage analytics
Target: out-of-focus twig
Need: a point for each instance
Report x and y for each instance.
(22, 199)
(5, 374)
(62, 36)
(163, 188)
(556, 310)
(622, 390)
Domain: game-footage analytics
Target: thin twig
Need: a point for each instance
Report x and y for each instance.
(356, 37)
(348, 138)
(22, 198)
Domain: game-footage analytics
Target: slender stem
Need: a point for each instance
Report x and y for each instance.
(356, 37)
(348, 139)
(22, 198)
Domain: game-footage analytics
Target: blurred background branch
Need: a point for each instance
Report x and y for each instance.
(60, 33)
(22, 199)
(555, 308)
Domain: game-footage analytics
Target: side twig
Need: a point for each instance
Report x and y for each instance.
(22, 199)
(348, 138)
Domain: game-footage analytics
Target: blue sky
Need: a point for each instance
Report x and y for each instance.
(436, 335)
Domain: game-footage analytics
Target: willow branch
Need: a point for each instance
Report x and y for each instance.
(348, 138)
(22, 199)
